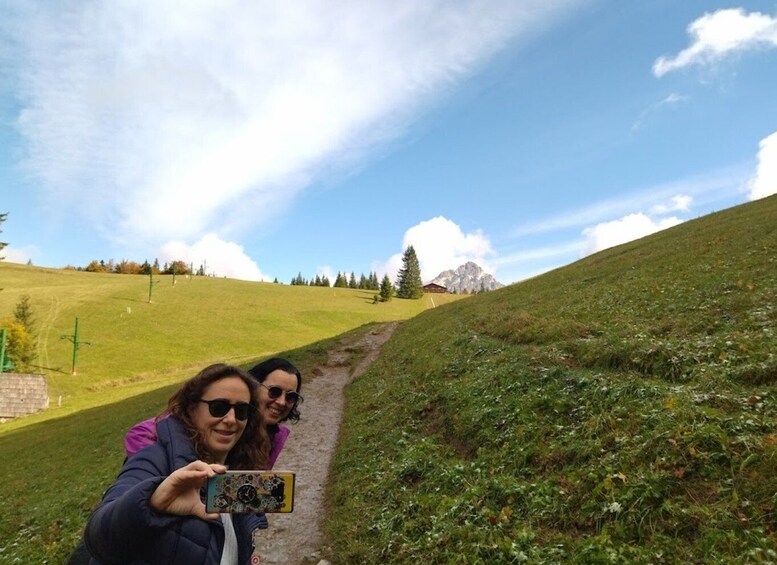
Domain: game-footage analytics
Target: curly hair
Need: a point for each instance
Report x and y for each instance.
(263, 369)
(253, 448)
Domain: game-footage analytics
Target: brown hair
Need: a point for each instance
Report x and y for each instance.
(253, 448)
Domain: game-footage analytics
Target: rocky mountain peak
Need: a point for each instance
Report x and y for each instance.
(468, 277)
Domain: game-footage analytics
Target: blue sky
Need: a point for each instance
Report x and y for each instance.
(266, 139)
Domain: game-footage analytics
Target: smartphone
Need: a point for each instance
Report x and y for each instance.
(251, 491)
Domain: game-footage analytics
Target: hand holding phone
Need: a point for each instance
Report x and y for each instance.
(251, 491)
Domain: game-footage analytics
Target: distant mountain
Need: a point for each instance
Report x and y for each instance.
(469, 277)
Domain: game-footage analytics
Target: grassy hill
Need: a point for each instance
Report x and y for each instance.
(135, 346)
(58, 463)
(622, 409)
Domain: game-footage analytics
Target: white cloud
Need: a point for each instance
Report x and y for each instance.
(220, 258)
(157, 122)
(440, 244)
(12, 254)
(628, 228)
(678, 203)
(764, 183)
(716, 35)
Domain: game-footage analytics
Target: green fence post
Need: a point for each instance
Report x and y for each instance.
(2, 351)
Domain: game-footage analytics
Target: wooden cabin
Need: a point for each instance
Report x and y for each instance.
(432, 287)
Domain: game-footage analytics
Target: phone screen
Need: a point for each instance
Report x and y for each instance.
(251, 491)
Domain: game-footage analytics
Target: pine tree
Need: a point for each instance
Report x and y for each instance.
(352, 281)
(409, 283)
(386, 289)
(325, 281)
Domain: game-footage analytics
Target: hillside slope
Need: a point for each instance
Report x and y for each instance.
(130, 345)
(622, 409)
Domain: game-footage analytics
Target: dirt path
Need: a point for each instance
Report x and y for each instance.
(296, 538)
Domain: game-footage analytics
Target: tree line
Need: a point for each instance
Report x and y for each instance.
(369, 282)
(126, 267)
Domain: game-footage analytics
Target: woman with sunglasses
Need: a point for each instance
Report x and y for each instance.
(154, 512)
(279, 400)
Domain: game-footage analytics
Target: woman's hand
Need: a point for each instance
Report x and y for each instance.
(179, 493)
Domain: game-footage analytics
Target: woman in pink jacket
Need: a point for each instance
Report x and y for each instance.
(280, 382)
(279, 394)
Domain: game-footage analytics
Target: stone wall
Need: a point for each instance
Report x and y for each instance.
(22, 394)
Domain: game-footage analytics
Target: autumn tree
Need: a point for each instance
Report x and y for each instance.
(176, 267)
(409, 283)
(21, 335)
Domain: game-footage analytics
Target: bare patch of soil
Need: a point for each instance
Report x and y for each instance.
(296, 537)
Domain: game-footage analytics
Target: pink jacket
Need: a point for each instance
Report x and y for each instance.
(144, 434)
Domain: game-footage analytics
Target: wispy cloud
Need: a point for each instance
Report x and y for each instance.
(158, 122)
(671, 100)
(718, 35)
(716, 185)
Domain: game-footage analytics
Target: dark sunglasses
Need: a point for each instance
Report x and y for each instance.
(275, 392)
(219, 408)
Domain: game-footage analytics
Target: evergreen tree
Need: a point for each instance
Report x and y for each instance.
(2, 244)
(386, 289)
(352, 281)
(325, 281)
(341, 281)
(363, 282)
(318, 280)
(409, 283)
(23, 313)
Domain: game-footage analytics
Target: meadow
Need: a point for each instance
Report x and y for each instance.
(129, 346)
(58, 462)
(621, 409)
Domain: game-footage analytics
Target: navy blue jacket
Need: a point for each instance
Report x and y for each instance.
(124, 529)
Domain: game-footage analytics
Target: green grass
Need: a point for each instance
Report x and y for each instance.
(622, 409)
(54, 472)
(135, 346)
(58, 462)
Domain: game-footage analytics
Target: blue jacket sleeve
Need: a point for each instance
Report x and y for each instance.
(124, 519)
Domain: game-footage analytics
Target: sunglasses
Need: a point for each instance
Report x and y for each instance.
(275, 392)
(219, 408)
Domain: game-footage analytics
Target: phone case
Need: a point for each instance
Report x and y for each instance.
(251, 491)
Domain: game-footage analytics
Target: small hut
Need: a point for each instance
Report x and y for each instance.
(434, 287)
